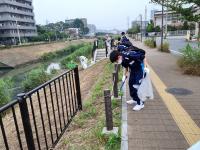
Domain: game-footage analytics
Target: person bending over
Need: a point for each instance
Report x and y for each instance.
(132, 61)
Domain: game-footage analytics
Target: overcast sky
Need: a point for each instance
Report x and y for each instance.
(105, 14)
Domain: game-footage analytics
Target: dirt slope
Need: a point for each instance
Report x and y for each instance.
(17, 56)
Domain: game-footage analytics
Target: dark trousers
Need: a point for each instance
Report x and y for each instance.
(134, 79)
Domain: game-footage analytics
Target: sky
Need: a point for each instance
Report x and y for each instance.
(105, 14)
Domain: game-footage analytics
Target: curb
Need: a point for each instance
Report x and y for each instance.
(124, 127)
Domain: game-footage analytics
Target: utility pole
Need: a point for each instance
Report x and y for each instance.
(162, 26)
(141, 26)
(166, 14)
(145, 19)
(18, 33)
(128, 20)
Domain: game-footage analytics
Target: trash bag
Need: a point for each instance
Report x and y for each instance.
(145, 90)
(84, 62)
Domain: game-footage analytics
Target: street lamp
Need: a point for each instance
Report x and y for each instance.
(18, 33)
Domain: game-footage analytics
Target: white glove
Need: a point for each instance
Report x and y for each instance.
(123, 78)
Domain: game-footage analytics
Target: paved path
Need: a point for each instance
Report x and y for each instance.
(169, 121)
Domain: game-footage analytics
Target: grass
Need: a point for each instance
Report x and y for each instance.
(85, 50)
(190, 61)
(66, 51)
(87, 126)
(150, 43)
(165, 47)
(5, 92)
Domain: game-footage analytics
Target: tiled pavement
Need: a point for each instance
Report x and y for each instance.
(153, 128)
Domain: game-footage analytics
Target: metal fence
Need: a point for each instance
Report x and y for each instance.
(38, 119)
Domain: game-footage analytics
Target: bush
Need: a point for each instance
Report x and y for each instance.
(66, 51)
(35, 78)
(190, 61)
(86, 51)
(165, 48)
(71, 65)
(5, 92)
(150, 43)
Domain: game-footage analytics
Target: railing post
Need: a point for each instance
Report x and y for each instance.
(115, 85)
(78, 89)
(26, 121)
(117, 72)
(108, 110)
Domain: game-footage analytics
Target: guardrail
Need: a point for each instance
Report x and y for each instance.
(38, 119)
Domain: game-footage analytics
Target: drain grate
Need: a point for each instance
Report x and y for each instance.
(179, 91)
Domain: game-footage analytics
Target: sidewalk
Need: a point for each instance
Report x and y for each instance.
(168, 121)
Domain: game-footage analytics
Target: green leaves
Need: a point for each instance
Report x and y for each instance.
(184, 7)
(5, 92)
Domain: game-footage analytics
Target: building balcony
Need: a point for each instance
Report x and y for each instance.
(8, 18)
(16, 4)
(15, 35)
(19, 27)
(15, 11)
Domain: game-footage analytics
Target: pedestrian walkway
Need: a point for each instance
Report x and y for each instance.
(170, 121)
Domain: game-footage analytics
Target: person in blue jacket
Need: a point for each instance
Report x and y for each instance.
(133, 61)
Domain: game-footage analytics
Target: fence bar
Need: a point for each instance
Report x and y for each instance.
(115, 85)
(117, 67)
(74, 90)
(58, 105)
(68, 93)
(78, 89)
(108, 110)
(72, 98)
(61, 98)
(3, 133)
(17, 128)
(42, 119)
(26, 121)
(73, 93)
(34, 121)
(65, 98)
(54, 116)
(49, 120)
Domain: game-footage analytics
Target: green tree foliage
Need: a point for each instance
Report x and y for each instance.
(157, 29)
(150, 26)
(134, 30)
(78, 24)
(185, 26)
(185, 7)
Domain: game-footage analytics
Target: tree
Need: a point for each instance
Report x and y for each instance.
(78, 24)
(134, 30)
(86, 30)
(185, 7)
(185, 26)
(150, 26)
(157, 29)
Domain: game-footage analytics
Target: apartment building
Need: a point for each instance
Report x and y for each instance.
(16, 21)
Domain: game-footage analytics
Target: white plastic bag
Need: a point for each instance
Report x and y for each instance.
(145, 90)
(84, 62)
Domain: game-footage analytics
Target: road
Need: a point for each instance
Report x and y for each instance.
(177, 44)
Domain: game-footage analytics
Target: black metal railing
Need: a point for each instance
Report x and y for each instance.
(38, 119)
